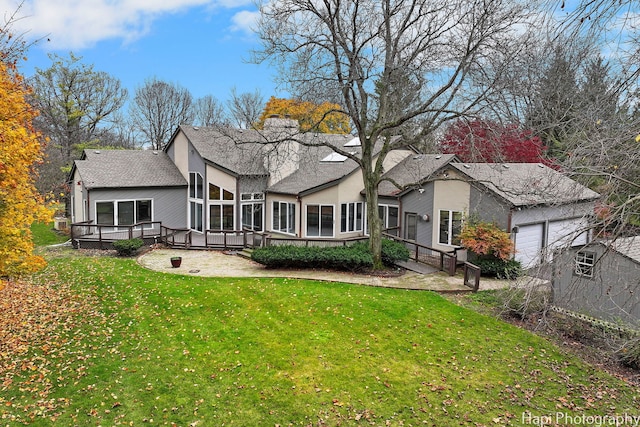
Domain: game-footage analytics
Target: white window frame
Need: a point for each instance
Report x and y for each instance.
(253, 200)
(349, 223)
(290, 217)
(222, 202)
(450, 235)
(196, 198)
(115, 203)
(200, 206)
(585, 262)
(197, 177)
(320, 228)
(385, 217)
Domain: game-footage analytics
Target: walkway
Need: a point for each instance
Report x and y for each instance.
(221, 264)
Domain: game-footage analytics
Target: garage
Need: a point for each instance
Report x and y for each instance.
(528, 243)
(567, 233)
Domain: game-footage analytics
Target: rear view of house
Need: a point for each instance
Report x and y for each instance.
(293, 185)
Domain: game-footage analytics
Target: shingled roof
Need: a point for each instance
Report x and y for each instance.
(413, 170)
(244, 151)
(526, 184)
(128, 169)
(628, 246)
(239, 151)
(319, 166)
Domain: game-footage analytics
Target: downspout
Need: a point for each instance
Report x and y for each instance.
(511, 232)
(400, 216)
(238, 206)
(299, 213)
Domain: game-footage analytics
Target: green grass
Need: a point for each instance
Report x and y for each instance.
(164, 349)
(44, 234)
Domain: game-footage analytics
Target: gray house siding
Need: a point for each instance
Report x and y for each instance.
(612, 294)
(196, 163)
(485, 206)
(420, 203)
(169, 204)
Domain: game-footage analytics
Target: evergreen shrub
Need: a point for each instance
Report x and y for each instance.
(128, 247)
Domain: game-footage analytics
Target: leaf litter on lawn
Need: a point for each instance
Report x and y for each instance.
(44, 344)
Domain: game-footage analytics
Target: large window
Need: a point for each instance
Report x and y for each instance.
(195, 186)
(221, 211)
(195, 216)
(585, 262)
(105, 213)
(389, 216)
(221, 217)
(123, 212)
(319, 220)
(219, 193)
(351, 217)
(126, 212)
(450, 227)
(196, 198)
(284, 215)
(252, 210)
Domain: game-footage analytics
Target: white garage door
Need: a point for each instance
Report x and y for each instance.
(529, 244)
(569, 232)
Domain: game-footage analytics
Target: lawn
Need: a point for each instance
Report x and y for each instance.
(44, 234)
(110, 343)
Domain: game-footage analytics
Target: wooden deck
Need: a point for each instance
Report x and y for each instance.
(87, 235)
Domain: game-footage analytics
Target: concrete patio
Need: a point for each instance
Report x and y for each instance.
(209, 263)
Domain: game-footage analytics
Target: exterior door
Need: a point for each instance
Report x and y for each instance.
(411, 226)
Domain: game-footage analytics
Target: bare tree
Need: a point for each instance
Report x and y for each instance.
(245, 108)
(13, 46)
(158, 108)
(374, 53)
(75, 101)
(77, 105)
(208, 111)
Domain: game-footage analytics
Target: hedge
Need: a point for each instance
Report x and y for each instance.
(347, 258)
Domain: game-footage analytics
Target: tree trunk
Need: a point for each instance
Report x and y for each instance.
(373, 218)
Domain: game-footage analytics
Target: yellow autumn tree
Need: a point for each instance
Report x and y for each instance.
(20, 150)
(322, 118)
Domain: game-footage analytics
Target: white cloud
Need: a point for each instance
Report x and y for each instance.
(245, 21)
(77, 24)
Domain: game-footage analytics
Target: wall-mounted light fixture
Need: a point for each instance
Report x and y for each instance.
(425, 217)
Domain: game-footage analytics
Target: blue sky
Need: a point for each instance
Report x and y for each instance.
(202, 45)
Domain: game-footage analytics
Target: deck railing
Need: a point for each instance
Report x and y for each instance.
(472, 276)
(176, 237)
(445, 261)
(103, 235)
